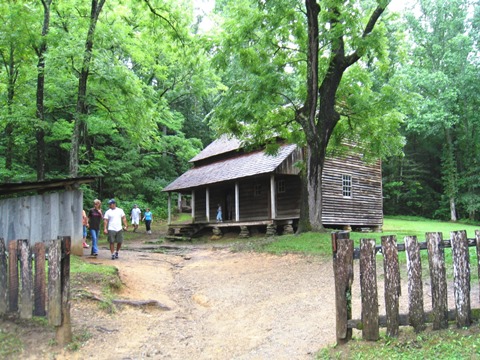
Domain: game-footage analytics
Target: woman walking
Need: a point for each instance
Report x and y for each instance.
(95, 217)
(147, 217)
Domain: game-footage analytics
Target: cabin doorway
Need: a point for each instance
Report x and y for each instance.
(229, 205)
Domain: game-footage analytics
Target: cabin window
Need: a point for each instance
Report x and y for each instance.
(281, 186)
(347, 186)
(257, 190)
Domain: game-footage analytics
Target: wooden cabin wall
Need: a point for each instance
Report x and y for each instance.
(254, 206)
(288, 202)
(200, 205)
(365, 207)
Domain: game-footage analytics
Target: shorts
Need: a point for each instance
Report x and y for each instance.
(135, 221)
(115, 236)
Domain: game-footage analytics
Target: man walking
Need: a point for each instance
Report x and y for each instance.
(135, 216)
(112, 226)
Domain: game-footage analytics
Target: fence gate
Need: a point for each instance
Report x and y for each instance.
(344, 255)
(24, 288)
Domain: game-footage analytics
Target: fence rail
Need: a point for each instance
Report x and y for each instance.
(24, 289)
(344, 255)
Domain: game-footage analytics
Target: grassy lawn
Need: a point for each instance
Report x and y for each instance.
(320, 243)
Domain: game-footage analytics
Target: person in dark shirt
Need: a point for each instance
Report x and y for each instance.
(95, 217)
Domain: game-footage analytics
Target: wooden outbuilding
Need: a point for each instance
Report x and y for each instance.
(257, 189)
(43, 210)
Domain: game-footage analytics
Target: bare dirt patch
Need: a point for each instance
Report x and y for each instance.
(216, 304)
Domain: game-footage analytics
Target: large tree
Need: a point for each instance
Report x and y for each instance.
(41, 50)
(294, 71)
(81, 109)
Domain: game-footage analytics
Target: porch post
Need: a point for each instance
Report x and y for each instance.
(273, 202)
(193, 206)
(237, 202)
(207, 203)
(179, 202)
(169, 208)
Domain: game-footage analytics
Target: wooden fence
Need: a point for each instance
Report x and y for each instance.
(344, 255)
(24, 289)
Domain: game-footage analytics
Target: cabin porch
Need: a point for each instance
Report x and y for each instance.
(187, 231)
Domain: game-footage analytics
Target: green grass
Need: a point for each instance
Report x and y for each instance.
(78, 265)
(444, 344)
(320, 243)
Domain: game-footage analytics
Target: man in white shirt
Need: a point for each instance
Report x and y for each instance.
(135, 216)
(112, 226)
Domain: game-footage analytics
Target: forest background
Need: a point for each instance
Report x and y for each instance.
(130, 91)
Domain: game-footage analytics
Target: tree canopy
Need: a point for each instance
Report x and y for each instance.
(129, 91)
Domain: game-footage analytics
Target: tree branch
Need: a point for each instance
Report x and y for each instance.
(353, 58)
(155, 12)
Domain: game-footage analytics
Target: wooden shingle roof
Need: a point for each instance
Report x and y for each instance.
(220, 146)
(241, 166)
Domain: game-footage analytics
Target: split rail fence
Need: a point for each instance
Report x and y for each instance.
(344, 255)
(24, 289)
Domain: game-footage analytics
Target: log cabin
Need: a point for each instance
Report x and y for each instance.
(256, 190)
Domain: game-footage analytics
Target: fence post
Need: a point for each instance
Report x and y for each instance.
(416, 313)
(40, 281)
(392, 283)
(64, 331)
(3, 278)
(342, 248)
(461, 276)
(26, 308)
(436, 262)
(13, 276)
(54, 283)
(368, 286)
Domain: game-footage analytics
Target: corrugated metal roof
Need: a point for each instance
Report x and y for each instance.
(45, 185)
(222, 145)
(242, 166)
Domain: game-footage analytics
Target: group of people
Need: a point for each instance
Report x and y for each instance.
(114, 224)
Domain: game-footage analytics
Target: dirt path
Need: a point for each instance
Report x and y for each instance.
(222, 305)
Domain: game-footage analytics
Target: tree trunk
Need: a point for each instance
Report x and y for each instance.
(314, 186)
(82, 109)
(450, 178)
(12, 78)
(304, 224)
(318, 126)
(40, 113)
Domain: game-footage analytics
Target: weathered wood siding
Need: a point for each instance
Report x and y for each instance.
(365, 206)
(288, 202)
(43, 217)
(288, 166)
(255, 206)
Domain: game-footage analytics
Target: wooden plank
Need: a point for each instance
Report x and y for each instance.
(12, 276)
(64, 331)
(343, 272)
(40, 283)
(368, 286)
(54, 283)
(461, 277)
(436, 262)
(392, 283)
(26, 304)
(415, 286)
(3, 278)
